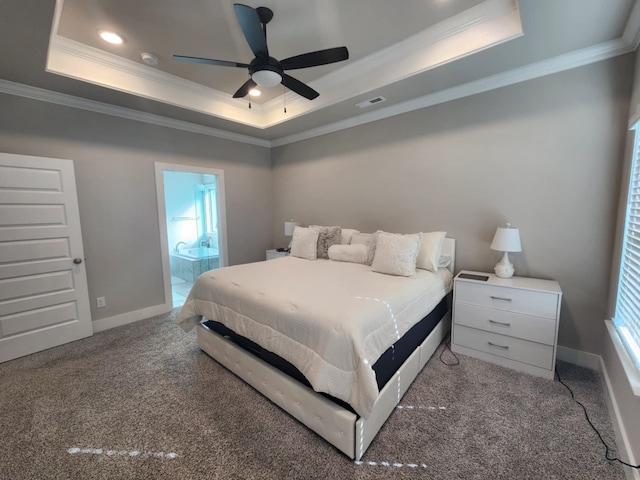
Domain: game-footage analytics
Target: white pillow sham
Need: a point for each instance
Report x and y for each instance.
(396, 254)
(361, 239)
(304, 243)
(348, 253)
(347, 234)
(430, 248)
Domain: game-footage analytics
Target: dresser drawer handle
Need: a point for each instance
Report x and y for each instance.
(504, 324)
(505, 347)
(501, 298)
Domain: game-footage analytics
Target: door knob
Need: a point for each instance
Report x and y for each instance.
(77, 261)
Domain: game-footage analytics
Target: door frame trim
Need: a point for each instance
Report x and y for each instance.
(160, 168)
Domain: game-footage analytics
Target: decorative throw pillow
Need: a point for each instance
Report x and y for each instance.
(361, 239)
(348, 253)
(347, 233)
(304, 243)
(328, 236)
(430, 251)
(396, 254)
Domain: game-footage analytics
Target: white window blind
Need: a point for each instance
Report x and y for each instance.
(627, 315)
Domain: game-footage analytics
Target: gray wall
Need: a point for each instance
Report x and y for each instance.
(544, 155)
(114, 165)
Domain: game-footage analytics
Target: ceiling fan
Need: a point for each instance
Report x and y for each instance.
(265, 70)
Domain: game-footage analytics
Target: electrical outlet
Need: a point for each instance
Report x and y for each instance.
(101, 302)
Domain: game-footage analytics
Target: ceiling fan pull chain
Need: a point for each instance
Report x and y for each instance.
(284, 97)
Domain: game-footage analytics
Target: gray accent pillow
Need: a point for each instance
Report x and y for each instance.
(328, 236)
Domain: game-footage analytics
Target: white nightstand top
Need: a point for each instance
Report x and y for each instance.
(525, 283)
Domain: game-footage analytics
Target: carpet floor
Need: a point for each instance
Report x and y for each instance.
(142, 401)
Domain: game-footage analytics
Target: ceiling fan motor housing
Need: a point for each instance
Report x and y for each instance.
(266, 74)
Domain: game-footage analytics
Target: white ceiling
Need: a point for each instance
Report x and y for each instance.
(414, 53)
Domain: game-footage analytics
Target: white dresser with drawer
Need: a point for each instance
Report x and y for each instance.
(509, 321)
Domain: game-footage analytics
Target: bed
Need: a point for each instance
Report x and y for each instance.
(334, 344)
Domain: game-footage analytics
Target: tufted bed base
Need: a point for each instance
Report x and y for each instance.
(342, 428)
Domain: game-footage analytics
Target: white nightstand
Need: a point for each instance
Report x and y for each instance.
(273, 253)
(509, 321)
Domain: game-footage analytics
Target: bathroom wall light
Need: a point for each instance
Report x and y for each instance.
(111, 37)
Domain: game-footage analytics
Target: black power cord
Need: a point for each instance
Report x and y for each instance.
(606, 455)
(446, 347)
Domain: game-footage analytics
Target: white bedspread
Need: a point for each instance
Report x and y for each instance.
(332, 320)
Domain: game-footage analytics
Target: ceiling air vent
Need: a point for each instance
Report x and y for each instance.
(371, 101)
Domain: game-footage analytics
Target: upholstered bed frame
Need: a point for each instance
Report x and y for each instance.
(341, 427)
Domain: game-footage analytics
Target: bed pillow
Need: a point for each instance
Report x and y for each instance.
(368, 239)
(371, 252)
(328, 236)
(430, 251)
(304, 243)
(396, 254)
(361, 239)
(347, 234)
(444, 261)
(348, 253)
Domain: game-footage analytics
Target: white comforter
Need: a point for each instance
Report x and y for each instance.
(332, 320)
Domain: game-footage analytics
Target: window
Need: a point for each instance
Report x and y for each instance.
(627, 315)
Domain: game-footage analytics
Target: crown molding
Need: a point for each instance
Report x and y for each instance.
(553, 65)
(492, 21)
(75, 60)
(40, 94)
(532, 71)
(627, 43)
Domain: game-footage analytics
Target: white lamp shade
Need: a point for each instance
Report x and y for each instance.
(289, 227)
(506, 240)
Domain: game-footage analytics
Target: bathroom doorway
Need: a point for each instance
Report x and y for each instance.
(192, 221)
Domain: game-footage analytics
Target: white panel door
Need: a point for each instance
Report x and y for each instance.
(44, 301)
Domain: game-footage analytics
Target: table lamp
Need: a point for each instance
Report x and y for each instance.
(506, 240)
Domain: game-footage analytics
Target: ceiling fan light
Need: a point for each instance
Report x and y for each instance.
(266, 78)
(254, 92)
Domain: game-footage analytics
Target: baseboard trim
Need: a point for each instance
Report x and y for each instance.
(579, 358)
(622, 441)
(129, 317)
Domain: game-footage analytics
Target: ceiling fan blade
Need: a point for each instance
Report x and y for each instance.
(251, 26)
(210, 61)
(299, 87)
(244, 89)
(313, 59)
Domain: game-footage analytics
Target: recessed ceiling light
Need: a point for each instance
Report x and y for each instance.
(254, 92)
(111, 37)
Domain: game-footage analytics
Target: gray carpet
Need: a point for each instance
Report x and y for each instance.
(143, 402)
